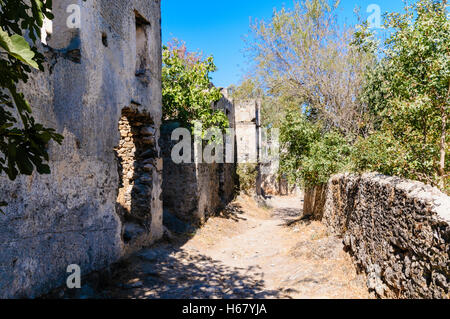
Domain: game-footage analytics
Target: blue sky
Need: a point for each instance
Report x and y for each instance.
(217, 27)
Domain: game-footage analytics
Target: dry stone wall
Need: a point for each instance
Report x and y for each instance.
(397, 231)
(71, 216)
(139, 167)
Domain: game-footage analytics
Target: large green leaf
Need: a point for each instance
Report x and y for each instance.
(18, 47)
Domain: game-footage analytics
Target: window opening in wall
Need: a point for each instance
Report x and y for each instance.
(142, 32)
(105, 39)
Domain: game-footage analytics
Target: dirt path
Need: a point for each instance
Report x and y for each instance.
(248, 252)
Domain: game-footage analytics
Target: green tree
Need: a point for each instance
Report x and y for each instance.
(297, 134)
(409, 90)
(23, 142)
(303, 57)
(310, 154)
(381, 152)
(188, 94)
(248, 89)
(312, 76)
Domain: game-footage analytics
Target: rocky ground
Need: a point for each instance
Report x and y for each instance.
(246, 252)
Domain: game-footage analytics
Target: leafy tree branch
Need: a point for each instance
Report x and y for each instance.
(23, 141)
(188, 94)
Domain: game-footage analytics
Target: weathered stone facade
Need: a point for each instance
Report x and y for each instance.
(97, 75)
(397, 231)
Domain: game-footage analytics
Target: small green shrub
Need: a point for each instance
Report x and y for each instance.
(308, 155)
(247, 177)
(327, 156)
(382, 152)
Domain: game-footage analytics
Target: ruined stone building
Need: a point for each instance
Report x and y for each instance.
(102, 91)
(196, 190)
(260, 146)
(248, 137)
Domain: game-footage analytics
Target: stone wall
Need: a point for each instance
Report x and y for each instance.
(71, 216)
(139, 168)
(397, 231)
(195, 191)
(271, 182)
(227, 170)
(190, 190)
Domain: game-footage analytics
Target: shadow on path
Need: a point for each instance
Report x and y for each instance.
(233, 211)
(174, 274)
(242, 254)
